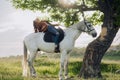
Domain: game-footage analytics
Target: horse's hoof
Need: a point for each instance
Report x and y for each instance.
(61, 79)
(34, 75)
(24, 74)
(66, 77)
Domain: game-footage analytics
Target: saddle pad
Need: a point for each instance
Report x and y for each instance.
(48, 37)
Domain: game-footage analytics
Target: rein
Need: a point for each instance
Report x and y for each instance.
(89, 30)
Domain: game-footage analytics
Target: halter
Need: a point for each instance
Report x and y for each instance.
(89, 30)
(88, 26)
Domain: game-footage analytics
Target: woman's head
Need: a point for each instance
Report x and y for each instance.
(39, 24)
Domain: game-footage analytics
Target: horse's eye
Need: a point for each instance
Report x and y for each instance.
(89, 25)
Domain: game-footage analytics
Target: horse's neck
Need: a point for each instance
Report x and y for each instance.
(73, 33)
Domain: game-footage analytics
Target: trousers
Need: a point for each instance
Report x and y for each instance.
(53, 30)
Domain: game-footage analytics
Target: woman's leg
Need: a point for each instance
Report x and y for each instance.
(56, 33)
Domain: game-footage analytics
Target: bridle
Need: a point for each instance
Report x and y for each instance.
(88, 26)
(85, 21)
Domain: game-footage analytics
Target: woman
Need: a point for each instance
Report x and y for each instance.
(43, 26)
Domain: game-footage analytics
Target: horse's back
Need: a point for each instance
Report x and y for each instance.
(33, 38)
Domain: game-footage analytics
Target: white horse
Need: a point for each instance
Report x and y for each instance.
(35, 41)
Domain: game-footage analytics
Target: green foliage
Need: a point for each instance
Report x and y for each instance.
(34, 4)
(64, 14)
(91, 3)
(96, 18)
(110, 67)
(112, 55)
(68, 16)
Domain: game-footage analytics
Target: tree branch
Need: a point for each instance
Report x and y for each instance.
(85, 8)
(81, 7)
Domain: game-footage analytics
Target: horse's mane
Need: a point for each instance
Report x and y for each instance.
(76, 25)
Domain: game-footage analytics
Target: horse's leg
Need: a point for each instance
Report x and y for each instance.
(31, 58)
(66, 66)
(63, 56)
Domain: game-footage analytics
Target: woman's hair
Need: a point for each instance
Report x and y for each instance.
(40, 25)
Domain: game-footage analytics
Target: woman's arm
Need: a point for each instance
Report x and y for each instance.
(56, 24)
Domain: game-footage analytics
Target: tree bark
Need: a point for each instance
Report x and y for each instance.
(95, 52)
(97, 48)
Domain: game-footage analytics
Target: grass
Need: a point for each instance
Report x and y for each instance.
(47, 67)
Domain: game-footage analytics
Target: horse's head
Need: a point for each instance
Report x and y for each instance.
(88, 28)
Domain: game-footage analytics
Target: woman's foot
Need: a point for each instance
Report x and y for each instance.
(57, 49)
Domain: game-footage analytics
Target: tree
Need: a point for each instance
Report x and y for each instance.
(70, 14)
(96, 49)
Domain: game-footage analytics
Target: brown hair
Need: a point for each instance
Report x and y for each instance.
(40, 26)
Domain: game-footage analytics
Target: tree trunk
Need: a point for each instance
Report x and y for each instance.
(96, 49)
(95, 52)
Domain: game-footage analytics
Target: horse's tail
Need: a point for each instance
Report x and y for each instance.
(24, 62)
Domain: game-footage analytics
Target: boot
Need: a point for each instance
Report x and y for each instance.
(57, 49)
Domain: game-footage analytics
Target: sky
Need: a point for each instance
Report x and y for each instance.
(15, 24)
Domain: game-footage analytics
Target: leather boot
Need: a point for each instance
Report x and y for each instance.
(57, 49)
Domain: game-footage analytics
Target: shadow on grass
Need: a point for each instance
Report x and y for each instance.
(74, 67)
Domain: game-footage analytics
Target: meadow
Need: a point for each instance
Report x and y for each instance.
(47, 66)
